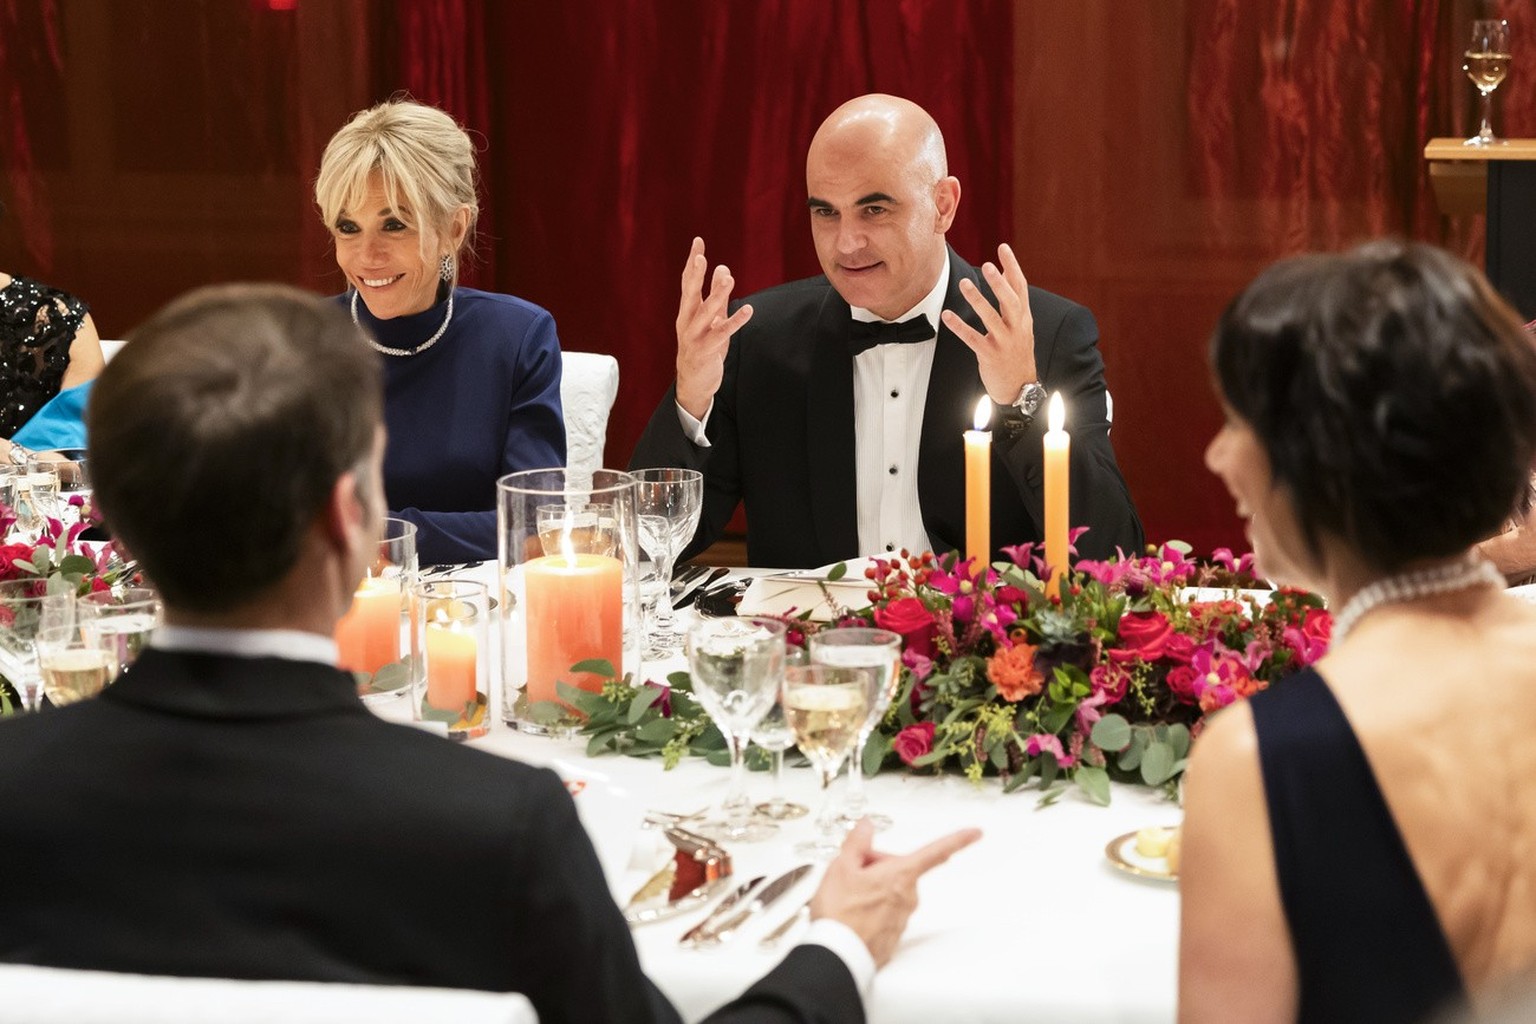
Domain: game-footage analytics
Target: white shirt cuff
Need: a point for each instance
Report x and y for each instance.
(695, 428)
(849, 948)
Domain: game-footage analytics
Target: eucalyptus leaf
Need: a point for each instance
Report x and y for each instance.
(658, 730)
(76, 564)
(583, 701)
(644, 698)
(1178, 737)
(1157, 763)
(600, 667)
(875, 750)
(837, 572)
(719, 758)
(598, 742)
(1112, 732)
(1055, 719)
(548, 712)
(1094, 782)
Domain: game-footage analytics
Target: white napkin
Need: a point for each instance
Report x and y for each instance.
(802, 590)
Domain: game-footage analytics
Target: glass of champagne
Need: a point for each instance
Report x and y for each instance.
(668, 502)
(737, 665)
(120, 622)
(72, 668)
(826, 707)
(36, 491)
(879, 651)
(26, 609)
(1487, 62)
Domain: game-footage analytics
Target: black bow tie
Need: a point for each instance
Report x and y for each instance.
(863, 334)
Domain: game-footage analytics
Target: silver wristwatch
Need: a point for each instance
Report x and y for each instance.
(1031, 396)
(19, 455)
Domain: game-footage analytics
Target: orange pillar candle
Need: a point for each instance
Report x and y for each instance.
(451, 656)
(368, 636)
(978, 488)
(1058, 448)
(575, 608)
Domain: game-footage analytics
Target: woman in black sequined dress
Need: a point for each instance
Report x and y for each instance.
(48, 343)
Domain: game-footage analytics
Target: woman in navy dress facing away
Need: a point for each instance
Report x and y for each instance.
(1359, 843)
(471, 378)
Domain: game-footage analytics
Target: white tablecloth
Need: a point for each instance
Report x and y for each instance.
(1032, 923)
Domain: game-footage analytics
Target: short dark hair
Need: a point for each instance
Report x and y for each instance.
(1394, 392)
(219, 431)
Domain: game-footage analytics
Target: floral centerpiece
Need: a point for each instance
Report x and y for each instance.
(1109, 678)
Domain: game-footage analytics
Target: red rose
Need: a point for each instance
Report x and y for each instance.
(1143, 635)
(912, 619)
(8, 555)
(913, 742)
(1181, 681)
(1318, 625)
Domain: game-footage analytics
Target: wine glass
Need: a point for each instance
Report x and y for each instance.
(120, 622)
(737, 665)
(36, 491)
(72, 667)
(826, 706)
(668, 502)
(879, 651)
(72, 469)
(1487, 62)
(773, 734)
(26, 608)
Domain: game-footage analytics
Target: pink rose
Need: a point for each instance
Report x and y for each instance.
(1143, 635)
(912, 619)
(913, 742)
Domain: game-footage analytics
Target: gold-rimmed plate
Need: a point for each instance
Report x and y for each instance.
(1121, 852)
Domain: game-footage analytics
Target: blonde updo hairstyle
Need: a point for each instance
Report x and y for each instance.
(422, 155)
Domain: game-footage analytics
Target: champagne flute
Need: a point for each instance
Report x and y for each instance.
(879, 651)
(26, 608)
(737, 665)
(826, 707)
(668, 502)
(1487, 62)
(774, 735)
(120, 622)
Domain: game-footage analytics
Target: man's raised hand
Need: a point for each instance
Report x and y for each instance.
(704, 332)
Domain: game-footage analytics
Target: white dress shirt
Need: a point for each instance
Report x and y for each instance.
(890, 391)
(290, 644)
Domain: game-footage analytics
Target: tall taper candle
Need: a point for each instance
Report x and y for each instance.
(978, 488)
(1058, 449)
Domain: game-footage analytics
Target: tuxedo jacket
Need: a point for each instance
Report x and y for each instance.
(249, 818)
(781, 433)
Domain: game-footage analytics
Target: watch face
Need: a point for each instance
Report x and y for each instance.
(1030, 398)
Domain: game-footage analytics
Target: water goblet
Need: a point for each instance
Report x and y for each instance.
(36, 492)
(737, 665)
(879, 651)
(668, 502)
(1487, 62)
(121, 622)
(826, 706)
(72, 468)
(773, 734)
(26, 608)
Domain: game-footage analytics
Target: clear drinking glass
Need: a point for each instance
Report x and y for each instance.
(737, 666)
(1487, 62)
(826, 707)
(26, 609)
(121, 622)
(879, 651)
(71, 666)
(73, 489)
(773, 734)
(37, 493)
(668, 502)
(451, 683)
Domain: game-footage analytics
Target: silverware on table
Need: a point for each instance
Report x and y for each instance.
(774, 937)
(694, 934)
(692, 593)
(686, 575)
(764, 898)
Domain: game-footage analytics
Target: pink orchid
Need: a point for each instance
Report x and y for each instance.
(1045, 742)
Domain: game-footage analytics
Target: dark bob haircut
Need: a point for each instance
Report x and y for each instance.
(1394, 392)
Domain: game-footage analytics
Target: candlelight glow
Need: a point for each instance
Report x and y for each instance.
(1057, 417)
(983, 412)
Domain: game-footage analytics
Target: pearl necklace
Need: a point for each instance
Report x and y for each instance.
(406, 351)
(1461, 574)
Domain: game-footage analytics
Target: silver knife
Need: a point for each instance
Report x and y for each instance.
(697, 587)
(724, 908)
(772, 938)
(762, 900)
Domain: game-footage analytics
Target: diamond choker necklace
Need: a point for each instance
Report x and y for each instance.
(406, 351)
(1469, 571)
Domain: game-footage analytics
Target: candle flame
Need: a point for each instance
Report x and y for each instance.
(441, 616)
(1057, 417)
(983, 413)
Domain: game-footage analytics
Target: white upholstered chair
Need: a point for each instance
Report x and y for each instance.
(589, 383)
(52, 995)
(110, 349)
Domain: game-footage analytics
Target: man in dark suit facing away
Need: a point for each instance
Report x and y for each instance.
(230, 809)
(834, 407)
